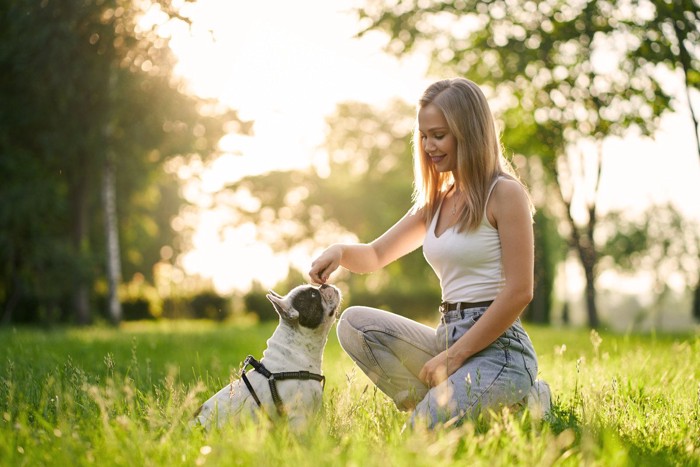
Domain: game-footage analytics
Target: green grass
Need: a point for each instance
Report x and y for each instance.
(107, 397)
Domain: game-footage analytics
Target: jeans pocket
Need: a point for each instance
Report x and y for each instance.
(451, 330)
(525, 351)
(504, 344)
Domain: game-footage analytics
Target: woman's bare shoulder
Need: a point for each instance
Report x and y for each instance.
(508, 196)
(507, 187)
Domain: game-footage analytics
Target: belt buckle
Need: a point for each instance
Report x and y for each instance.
(444, 307)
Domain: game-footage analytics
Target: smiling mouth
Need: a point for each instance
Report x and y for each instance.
(436, 159)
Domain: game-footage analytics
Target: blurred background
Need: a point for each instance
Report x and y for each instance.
(176, 159)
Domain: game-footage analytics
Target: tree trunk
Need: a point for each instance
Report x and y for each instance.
(588, 260)
(78, 200)
(109, 206)
(539, 310)
(696, 302)
(685, 61)
(588, 252)
(12, 301)
(582, 240)
(686, 66)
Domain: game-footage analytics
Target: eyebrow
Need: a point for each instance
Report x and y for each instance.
(442, 128)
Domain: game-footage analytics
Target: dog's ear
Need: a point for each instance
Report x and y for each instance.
(283, 306)
(272, 292)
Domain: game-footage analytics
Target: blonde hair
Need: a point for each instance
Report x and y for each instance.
(479, 157)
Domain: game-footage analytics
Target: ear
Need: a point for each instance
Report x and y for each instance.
(272, 292)
(283, 306)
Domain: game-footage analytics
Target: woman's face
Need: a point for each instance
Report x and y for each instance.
(438, 142)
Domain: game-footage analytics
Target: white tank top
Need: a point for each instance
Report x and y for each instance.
(468, 264)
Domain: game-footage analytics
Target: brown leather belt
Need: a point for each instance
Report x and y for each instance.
(446, 306)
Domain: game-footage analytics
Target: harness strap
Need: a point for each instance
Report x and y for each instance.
(250, 388)
(272, 379)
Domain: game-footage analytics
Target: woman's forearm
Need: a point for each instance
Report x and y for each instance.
(359, 258)
(495, 321)
(362, 258)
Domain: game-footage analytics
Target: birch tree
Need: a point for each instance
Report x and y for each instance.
(88, 99)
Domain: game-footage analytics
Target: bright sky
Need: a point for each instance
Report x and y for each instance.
(287, 64)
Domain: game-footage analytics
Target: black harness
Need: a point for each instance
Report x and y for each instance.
(272, 379)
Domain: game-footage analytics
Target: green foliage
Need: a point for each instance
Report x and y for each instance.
(536, 56)
(125, 398)
(206, 305)
(367, 188)
(84, 82)
(136, 309)
(660, 241)
(256, 302)
(669, 36)
(369, 185)
(550, 251)
(210, 305)
(419, 302)
(562, 73)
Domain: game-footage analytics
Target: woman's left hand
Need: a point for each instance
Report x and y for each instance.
(439, 368)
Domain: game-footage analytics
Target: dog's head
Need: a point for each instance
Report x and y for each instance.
(307, 305)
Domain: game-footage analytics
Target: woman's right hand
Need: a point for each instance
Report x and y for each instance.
(327, 262)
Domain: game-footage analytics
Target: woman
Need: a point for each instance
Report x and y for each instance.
(474, 220)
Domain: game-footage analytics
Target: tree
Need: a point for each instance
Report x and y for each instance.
(365, 188)
(544, 63)
(661, 243)
(669, 37)
(90, 101)
(550, 248)
(669, 34)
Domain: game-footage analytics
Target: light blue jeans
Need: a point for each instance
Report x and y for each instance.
(392, 350)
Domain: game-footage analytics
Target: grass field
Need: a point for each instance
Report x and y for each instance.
(107, 397)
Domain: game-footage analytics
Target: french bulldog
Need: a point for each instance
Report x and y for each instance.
(287, 382)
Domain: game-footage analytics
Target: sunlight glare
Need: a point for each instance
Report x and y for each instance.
(234, 259)
(286, 65)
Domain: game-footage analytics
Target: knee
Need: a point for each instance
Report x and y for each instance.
(437, 416)
(425, 415)
(348, 325)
